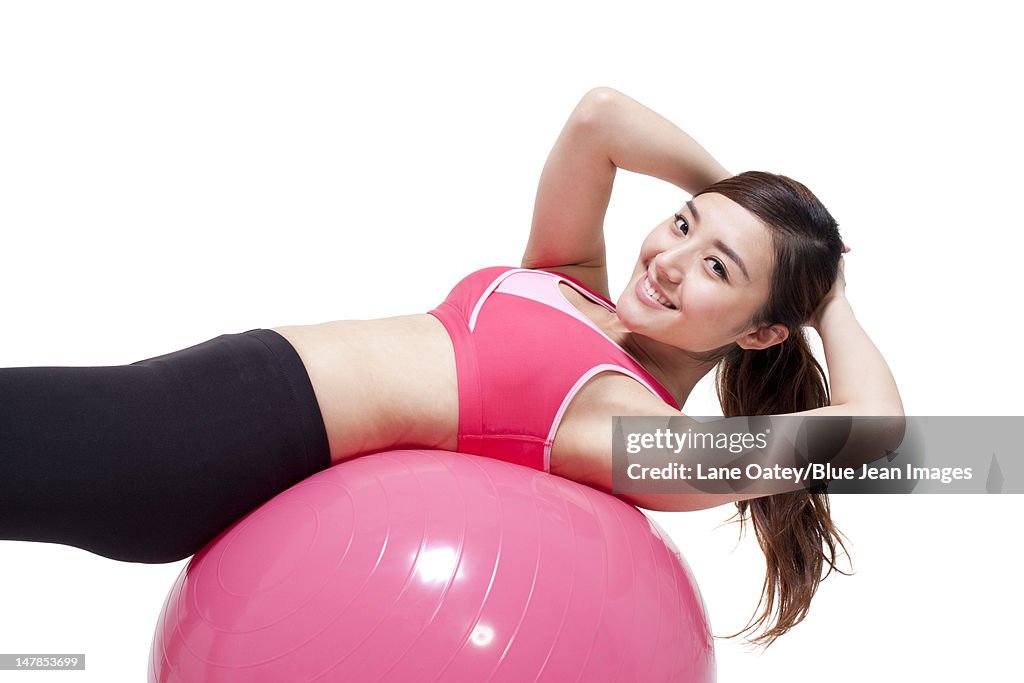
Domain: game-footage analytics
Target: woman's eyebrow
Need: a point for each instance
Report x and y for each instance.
(718, 243)
(693, 210)
(734, 256)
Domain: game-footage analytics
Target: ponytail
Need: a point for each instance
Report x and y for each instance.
(783, 378)
(795, 530)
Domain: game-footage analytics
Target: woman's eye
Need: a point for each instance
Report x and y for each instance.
(681, 224)
(719, 269)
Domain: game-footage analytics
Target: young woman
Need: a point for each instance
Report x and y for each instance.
(147, 462)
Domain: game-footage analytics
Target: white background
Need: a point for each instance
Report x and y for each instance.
(171, 173)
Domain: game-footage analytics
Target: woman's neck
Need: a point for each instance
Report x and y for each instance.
(676, 370)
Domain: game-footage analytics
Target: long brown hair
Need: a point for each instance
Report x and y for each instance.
(795, 530)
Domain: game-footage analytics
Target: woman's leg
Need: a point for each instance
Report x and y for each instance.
(148, 462)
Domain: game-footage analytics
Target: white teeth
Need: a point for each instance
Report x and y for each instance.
(654, 294)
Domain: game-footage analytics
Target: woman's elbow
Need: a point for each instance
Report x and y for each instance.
(595, 107)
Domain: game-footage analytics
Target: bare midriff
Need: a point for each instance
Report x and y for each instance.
(381, 384)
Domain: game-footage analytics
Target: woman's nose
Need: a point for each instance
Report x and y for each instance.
(668, 266)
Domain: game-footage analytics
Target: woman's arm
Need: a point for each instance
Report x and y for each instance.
(606, 131)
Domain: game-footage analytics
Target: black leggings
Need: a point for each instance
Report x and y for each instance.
(150, 461)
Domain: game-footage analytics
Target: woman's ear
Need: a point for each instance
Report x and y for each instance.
(763, 337)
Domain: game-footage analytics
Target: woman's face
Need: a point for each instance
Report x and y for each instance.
(701, 276)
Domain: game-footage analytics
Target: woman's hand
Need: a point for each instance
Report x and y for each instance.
(838, 292)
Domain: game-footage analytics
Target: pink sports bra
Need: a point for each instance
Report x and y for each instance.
(522, 352)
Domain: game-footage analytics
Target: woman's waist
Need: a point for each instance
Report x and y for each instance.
(381, 384)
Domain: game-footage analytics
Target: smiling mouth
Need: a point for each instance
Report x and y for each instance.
(653, 295)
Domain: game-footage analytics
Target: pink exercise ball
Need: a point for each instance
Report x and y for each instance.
(434, 566)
